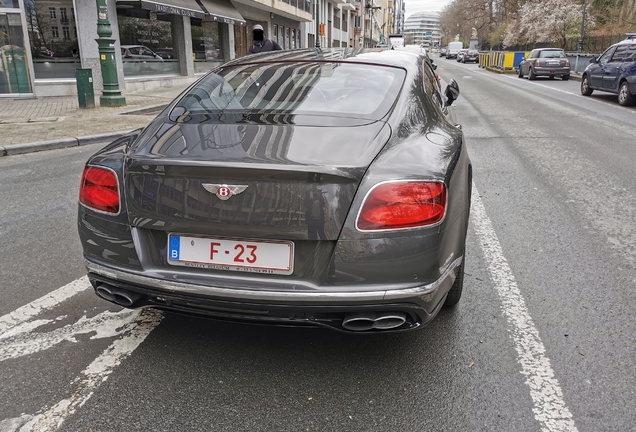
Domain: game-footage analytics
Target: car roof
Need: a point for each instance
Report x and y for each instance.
(549, 49)
(379, 56)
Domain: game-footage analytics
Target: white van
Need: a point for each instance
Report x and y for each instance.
(453, 49)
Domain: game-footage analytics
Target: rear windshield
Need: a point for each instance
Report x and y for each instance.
(343, 89)
(552, 54)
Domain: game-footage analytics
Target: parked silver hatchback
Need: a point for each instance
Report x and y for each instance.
(549, 62)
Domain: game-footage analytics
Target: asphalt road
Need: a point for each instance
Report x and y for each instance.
(543, 338)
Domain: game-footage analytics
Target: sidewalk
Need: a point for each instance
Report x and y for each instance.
(28, 125)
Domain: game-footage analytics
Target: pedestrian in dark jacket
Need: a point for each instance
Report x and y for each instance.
(261, 43)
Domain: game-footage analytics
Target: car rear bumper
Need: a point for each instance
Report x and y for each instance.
(321, 307)
(545, 71)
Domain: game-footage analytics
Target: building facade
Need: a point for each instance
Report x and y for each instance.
(423, 28)
(167, 42)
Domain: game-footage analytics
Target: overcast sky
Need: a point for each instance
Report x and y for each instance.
(413, 6)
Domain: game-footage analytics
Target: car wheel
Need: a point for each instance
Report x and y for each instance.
(531, 75)
(455, 292)
(565, 77)
(585, 86)
(520, 73)
(625, 98)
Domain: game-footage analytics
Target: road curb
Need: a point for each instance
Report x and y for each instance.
(17, 149)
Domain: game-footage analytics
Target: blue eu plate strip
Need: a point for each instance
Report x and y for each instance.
(175, 247)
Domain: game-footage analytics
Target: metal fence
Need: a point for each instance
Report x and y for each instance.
(591, 44)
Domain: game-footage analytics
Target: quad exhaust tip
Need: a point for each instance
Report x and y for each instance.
(373, 320)
(120, 296)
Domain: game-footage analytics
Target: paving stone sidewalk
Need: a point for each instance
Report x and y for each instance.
(54, 118)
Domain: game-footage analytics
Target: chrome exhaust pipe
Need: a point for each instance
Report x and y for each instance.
(359, 322)
(390, 321)
(373, 320)
(120, 296)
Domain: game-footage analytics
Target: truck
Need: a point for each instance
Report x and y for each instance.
(453, 49)
(396, 41)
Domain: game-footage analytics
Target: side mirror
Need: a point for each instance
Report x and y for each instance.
(434, 66)
(451, 92)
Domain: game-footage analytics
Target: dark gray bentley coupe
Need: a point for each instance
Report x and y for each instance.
(309, 187)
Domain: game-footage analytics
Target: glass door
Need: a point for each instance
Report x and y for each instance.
(14, 67)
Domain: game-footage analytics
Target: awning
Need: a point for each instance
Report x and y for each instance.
(217, 10)
(222, 11)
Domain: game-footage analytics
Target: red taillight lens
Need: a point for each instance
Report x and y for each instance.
(567, 63)
(403, 205)
(99, 190)
(537, 63)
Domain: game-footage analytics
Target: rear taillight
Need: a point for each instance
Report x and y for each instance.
(567, 63)
(398, 205)
(537, 63)
(99, 190)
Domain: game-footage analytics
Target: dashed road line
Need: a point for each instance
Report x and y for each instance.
(46, 302)
(549, 406)
(95, 374)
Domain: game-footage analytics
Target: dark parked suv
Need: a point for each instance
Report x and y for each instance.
(613, 71)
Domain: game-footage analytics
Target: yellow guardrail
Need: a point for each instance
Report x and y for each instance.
(502, 60)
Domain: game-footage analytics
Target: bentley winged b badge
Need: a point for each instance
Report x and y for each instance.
(224, 191)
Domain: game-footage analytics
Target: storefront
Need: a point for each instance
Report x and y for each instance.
(159, 42)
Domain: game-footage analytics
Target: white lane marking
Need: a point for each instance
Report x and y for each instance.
(549, 407)
(106, 324)
(48, 301)
(96, 373)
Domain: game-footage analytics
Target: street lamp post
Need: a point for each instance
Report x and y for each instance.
(580, 44)
(317, 23)
(111, 95)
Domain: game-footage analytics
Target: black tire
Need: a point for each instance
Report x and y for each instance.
(455, 292)
(531, 75)
(565, 77)
(585, 86)
(625, 98)
(520, 73)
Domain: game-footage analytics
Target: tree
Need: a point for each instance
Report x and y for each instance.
(545, 21)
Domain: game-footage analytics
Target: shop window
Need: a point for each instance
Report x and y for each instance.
(287, 41)
(293, 39)
(298, 45)
(281, 42)
(55, 53)
(206, 45)
(275, 36)
(14, 69)
(146, 43)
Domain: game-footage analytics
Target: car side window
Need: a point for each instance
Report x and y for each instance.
(533, 54)
(619, 53)
(631, 53)
(604, 58)
(430, 85)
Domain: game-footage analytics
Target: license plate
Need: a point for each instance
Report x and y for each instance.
(552, 63)
(255, 256)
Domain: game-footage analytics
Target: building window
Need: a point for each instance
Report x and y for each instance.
(344, 21)
(146, 43)
(54, 50)
(206, 45)
(276, 33)
(281, 42)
